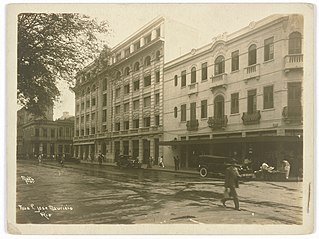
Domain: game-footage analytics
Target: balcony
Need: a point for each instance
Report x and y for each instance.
(123, 132)
(134, 131)
(219, 80)
(193, 89)
(293, 61)
(217, 122)
(292, 116)
(252, 72)
(192, 125)
(251, 118)
(144, 129)
(115, 133)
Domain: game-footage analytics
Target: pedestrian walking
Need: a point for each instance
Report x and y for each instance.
(161, 163)
(150, 162)
(286, 168)
(176, 162)
(62, 160)
(39, 159)
(100, 158)
(231, 183)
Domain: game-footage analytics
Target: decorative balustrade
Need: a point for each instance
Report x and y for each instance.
(193, 88)
(192, 125)
(217, 122)
(293, 61)
(252, 71)
(251, 117)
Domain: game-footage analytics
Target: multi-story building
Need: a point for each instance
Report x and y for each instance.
(47, 137)
(239, 96)
(119, 105)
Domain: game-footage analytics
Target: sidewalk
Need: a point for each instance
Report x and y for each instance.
(144, 166)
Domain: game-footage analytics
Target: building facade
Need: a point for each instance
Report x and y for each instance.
(239, 96)
(119, 105)
(42, 135)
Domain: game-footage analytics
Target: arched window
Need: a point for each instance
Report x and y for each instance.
(175, 112)
(295, 43)
(147, 61)
(175, 80)
(136, 66)
(252, 55)
(158, 55)
(219, 65)
(127, 71)
(219, 106)
(88, 90)
(193, 75)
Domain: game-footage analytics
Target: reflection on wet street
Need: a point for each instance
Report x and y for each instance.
(107, 195)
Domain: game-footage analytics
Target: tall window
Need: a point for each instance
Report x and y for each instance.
(137, 45)
(157, 76)
(45, 132)
(219, 65)
(117, 126)
(136, 66)
(136, 123)
(93, 102)
(157, 99)
(268, 97)
(126, 125)
(52, 133)
(127, 71)
(147, 39)
(147, 122)
(158, 55)
(104, 99)
(136, 104)
(193, 75)
(147, 101)
(127, 89)
(104, 116)
(219, 103)
(136, 85)
(193, 111)
(147, 80)
(175, 80)
(117, 92)
(295, 43)
(252, 55)
(294, 99)
(126, 107)
(147, 61)
(183, 78)
(88, 104)
(175, 112)
(269, 49)
(183, 112)
(157, 120)
(234, 103)
(117, 109)
(93, 116)
(235, 61)
(252, 101)
(204, 71)
(203, 112)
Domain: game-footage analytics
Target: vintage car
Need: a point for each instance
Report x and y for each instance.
(216, 165)
(127, 161)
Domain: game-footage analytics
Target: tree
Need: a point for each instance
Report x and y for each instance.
(53, 47)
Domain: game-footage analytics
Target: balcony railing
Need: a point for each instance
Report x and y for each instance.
(124, 132)
(134, 131)
(144, 129)
(193, 88)
(217, 122)
(251, 117)
(292, 116)
(192, 125)
(219, 81)
(252, 72)
(293, 61)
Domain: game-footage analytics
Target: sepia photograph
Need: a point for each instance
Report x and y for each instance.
(160, 118)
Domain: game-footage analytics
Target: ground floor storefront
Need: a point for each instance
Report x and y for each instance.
(261, 149)
(141, 146)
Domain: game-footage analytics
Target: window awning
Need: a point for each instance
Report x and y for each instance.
(233, 140)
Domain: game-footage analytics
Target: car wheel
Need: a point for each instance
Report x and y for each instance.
(203, 172)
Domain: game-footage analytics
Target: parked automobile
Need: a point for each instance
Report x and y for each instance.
(216, 165)
(127, 161)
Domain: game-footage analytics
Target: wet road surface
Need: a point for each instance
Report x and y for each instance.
(84, 193)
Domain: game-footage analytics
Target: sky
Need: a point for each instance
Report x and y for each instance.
(209, 20)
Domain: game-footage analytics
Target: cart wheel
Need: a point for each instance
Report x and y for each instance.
(203, 172)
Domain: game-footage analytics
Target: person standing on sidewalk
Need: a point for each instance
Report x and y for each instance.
(100, 158)
(231, 182)
(286, 168)
(161, 163)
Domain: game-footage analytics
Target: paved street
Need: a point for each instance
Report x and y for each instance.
(84, 193)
